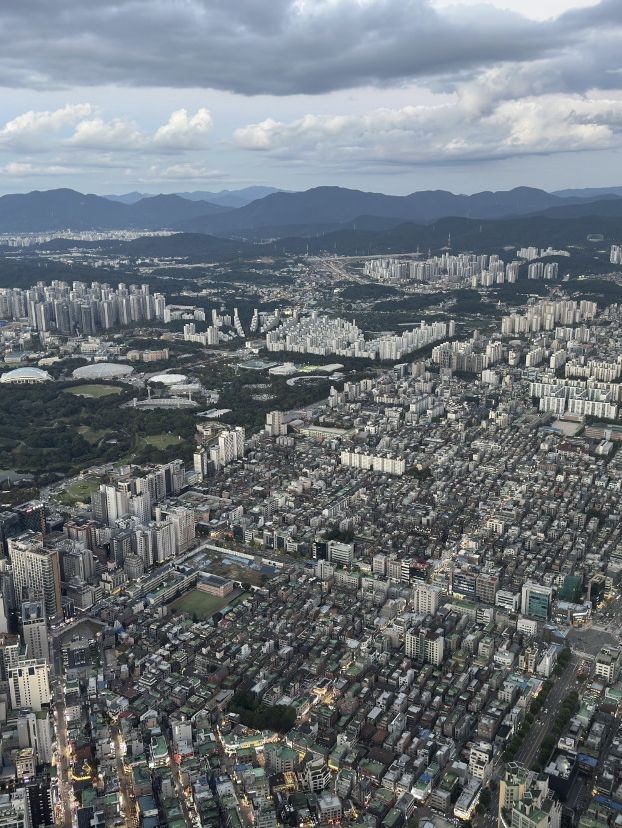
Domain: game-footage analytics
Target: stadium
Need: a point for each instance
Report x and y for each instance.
(169, 379)
(102, 371)
(25, 376)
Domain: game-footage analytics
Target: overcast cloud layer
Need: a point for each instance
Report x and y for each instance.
(303, 92)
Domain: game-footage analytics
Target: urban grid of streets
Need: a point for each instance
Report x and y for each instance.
(395, 567)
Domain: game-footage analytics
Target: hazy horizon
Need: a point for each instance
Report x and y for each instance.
(217, 191)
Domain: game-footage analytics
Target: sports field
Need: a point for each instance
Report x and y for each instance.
(201, 604)
(93, 390)
(159, 441)
(80, 491)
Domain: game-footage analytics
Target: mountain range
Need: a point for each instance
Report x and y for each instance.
(590, 192)
(224, 198)
(63, 209)
(281, 214)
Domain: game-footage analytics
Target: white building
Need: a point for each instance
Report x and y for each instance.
(424, 645)
(29, 684)
(481, 761)
(425, 598)
(358, 459)
(183, 523)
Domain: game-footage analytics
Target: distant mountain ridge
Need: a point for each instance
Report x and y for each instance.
(62, 209)
(589, 192)
(231, 198)
(322, 205)
(280, 214)
(224, 198)
(609, 206)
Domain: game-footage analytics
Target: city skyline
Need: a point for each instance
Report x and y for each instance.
(385, 96)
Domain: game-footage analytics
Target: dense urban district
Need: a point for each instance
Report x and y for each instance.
(308, 540)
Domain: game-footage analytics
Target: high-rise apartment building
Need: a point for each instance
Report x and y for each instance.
(275, 426)
(425, 645)
(182, 521)
(80, 309)
(29, 684)
(36, 572)
(163, 540)
(230, 446)
(35, 630)
(425, 598)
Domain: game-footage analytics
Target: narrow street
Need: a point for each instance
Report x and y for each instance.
(64, 787)
(125, 782)
(190, 817)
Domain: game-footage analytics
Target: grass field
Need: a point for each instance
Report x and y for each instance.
(160, 441)
(80, 491)
(201, 604)
(92, 435)
(93, 390)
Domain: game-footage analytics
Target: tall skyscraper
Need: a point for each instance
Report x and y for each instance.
(182, 520)
(36, 572)
(35, 630)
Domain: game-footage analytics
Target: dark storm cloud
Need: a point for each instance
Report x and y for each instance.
(277, 47)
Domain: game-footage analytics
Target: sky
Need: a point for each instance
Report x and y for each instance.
(384, 95)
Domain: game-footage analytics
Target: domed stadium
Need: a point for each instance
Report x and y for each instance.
(102, 371)
(25, 376)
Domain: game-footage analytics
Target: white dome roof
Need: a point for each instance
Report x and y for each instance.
(102, 370)
(26, 375)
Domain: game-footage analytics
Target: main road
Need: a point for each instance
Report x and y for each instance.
(528, 751)
(562, 686)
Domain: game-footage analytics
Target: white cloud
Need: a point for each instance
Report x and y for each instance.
(180, 133)
(557, 123)
(99, 134)
(443, 134)
(16, 169)
(535, 9)
(28, 130)
(184, 132)
(77, 140)
(184, 172)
